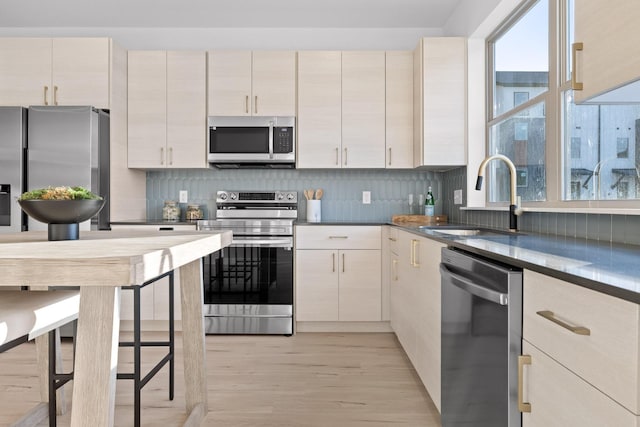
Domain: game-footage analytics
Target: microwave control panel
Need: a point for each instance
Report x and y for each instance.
(283, 140)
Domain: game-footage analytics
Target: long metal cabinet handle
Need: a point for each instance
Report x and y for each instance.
(343, 262)
(337, 156)
(394, 264)
(524, 359)
(246, 104)
(475, 289)
(333, 262)
(549, 315)
(55, 95)
(255, 105)
(575, 84)
(345, 156)
(162, 155)
(389, 156)
(338, 237)
(392, 239)
(414, 257)
(46, 89)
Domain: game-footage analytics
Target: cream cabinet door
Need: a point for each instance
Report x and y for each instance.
(229, 78)
(25, 71)
(317, 285)
(273, 83)
(399, 110)
(360, 286)
(319, 109)
(80, 71)
(440, 102)
(363, 109)
(147, 109)
(559, 398)
(610, 55)
(186, 109)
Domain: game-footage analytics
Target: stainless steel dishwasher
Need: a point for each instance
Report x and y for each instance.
(481, 341)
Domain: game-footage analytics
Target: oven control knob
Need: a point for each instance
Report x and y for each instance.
(233, 196)
(280, 196)
(223, 196)
(290, 196)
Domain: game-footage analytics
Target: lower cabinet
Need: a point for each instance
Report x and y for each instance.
(154, 298)
(580, 360)
(414, 293)
(337, 273)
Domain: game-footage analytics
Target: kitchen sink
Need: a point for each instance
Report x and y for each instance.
(462, 231)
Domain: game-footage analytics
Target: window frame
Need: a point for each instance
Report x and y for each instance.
(553, 98)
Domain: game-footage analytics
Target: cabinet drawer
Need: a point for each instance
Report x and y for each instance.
(608, 356)
(560, 398)
(338, 237)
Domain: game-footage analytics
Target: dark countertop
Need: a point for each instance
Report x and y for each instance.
(610, 268)
(356, 223)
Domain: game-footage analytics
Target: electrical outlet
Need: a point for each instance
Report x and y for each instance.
(366, 197)
(183, 196)
(457, 197)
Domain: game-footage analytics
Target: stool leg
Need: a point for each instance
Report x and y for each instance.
(136, 356)
(171, 338)
(52, 379)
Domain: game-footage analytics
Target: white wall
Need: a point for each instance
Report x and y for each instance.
(468, 16)
(243, 38)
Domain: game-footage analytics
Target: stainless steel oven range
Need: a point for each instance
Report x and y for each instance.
(248, 286)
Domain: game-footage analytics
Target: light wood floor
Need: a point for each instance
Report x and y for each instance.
(310, 379)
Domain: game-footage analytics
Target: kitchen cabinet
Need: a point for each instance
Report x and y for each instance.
(610, 55)
(55, 71)
(341, 109)
(245, 83)
(415, 301)
(581, 355)
(335, 273)
(154, 299)
(440, 102)
(363, 109)
(167, 109)
(319, 109)
(399, 110)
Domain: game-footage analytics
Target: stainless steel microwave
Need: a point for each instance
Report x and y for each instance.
(252, 141)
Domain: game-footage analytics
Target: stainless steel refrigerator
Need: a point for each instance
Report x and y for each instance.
(65, 146)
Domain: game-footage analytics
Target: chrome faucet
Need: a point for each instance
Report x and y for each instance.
(514, 209)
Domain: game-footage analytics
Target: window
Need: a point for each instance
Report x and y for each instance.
(599, 145)
(519, 87)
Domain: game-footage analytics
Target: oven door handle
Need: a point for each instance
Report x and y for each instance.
(473, 288)
(271, 124)
(271, 243)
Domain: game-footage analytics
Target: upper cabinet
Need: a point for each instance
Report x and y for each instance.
(363, 109)
(245, 83)
(606, 52)
(167, 109)
(440, 102)
(341, 109)
(58, 71)
(319, 109)
(399, 110)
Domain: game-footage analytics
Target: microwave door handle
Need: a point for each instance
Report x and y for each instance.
(270, 140)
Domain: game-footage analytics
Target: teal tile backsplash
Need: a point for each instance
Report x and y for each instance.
(342, 200)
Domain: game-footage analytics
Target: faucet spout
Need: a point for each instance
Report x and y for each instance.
(513, 205)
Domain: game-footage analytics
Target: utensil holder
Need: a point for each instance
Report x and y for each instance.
(314, 210)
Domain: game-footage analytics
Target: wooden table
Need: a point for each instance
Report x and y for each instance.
(100, 263)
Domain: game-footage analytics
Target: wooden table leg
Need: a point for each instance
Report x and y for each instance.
(195, 375)
(94, 383)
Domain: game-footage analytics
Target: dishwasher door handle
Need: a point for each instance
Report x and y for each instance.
(473, 288)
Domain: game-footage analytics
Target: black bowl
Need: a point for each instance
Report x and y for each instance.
(61, 211)
(63, 216)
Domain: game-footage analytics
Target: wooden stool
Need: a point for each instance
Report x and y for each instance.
(25, 315)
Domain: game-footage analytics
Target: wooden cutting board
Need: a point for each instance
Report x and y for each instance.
(418, 219)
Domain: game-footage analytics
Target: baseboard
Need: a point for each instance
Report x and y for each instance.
(343, 327)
